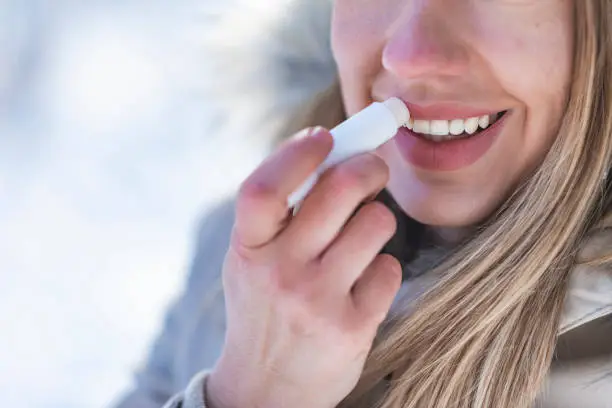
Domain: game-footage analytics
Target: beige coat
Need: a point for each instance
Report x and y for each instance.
(264, 65)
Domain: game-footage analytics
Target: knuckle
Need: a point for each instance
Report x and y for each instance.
(345, 178)
(381, 217)
(364, 172)
(303, 313)
(373, 166)
(389, 273)
(379, 165)
(243, 266)
(386, 173)
(253, 191)
(252, 196)
(389, 262)
(298, 300)
(307, 294)
(285, 279)
(347, 181)
(279, 284)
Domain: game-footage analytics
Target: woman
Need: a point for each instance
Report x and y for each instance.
(494, 213)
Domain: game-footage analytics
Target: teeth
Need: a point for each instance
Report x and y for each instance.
(471, 125)
(422, 126)
(457, 127)
(484, 121)
(438, 130)
(439, 127)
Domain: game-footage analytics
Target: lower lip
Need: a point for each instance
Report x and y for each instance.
(448, 155)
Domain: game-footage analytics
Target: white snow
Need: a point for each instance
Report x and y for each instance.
(104, 171)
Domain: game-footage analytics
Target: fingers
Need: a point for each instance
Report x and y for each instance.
(332, 202)
(375, 290)
(261, 207)
(358, 244)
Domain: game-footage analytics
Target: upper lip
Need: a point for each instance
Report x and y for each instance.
(447, 111)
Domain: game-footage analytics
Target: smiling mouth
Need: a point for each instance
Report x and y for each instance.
(442, 130)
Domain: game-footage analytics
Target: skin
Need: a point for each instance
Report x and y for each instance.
(305, 294)
(504, 55)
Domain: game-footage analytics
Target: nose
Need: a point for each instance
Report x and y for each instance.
(425, 42)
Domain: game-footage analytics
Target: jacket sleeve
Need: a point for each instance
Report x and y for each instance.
(154, 382)
(163, 373)
(194, 395)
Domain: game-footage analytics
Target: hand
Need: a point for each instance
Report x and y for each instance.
(305, 294)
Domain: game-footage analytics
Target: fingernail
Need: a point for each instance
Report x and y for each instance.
(308, 132)
(320, 133)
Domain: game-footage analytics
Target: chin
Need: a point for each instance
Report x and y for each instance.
(440, 210)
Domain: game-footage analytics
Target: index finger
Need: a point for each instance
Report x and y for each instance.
(261, 207)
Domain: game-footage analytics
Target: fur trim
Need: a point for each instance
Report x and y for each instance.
(263, 63)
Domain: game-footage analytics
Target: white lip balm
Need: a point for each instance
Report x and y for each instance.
(361, 133)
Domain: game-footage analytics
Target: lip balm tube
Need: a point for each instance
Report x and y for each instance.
(361, 133)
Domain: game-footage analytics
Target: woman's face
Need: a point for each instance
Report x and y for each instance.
(452, 60)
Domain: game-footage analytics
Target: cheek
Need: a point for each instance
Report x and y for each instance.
(361, 24)
(350, 31)
(531, 59)
(358, 36)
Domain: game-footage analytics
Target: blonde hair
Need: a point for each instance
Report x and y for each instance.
(485, 335)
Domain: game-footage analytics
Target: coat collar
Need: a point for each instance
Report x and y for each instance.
(589, 295)
(590, 292)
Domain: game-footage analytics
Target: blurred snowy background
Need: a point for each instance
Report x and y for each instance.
(104, 171)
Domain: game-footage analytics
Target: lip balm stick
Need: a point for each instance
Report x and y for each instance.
(361, 133)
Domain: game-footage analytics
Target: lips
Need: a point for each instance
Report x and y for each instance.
(447, 155)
